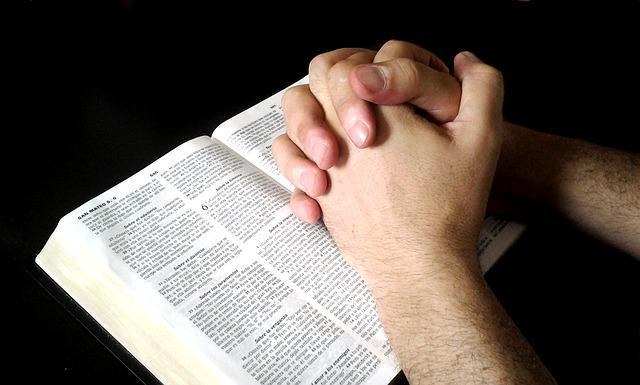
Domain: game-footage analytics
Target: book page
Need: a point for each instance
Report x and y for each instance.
(201, 251)
(198, 267)
(251, 132)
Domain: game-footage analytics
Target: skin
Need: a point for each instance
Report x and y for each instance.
(413, 239)
(593, 186)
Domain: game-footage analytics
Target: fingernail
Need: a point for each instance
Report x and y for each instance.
(319, 152)
(358, 132)
(371, 77)
(307, 180)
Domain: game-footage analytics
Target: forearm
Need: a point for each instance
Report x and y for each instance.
(597, 188)
(446, 326)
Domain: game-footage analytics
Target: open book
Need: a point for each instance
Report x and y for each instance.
(197, 266)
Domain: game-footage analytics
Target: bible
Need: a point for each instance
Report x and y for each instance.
(198, 268)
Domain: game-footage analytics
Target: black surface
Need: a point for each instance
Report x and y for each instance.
(94, 93)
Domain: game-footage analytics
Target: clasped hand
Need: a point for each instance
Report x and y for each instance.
(395, 153)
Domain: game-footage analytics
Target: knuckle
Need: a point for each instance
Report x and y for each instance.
(394, 45)
(290, 133)
(408, 70)
(320, 63)
(338, 73)
(291, 95)
(488, 72)
(286, 97)
(318, 68)
(338, 77)
(297, 131)
(276, 145)
(277, 149)
(316, 87)
(288, 164)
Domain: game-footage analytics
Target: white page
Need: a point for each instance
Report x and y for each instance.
(251, 132)
(174, 235)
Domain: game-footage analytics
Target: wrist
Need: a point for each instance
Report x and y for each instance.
(527, 163)
(403, 273)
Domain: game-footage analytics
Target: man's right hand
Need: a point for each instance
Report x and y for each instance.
(401, 73)
(418, 174)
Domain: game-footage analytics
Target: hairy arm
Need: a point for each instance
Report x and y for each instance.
(595, 187)
(406, 213)
(447, 327)
(442, 320)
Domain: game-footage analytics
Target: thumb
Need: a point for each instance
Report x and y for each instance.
(482, 95)
(403, 80)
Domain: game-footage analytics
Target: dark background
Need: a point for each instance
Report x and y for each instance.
(93, 93)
